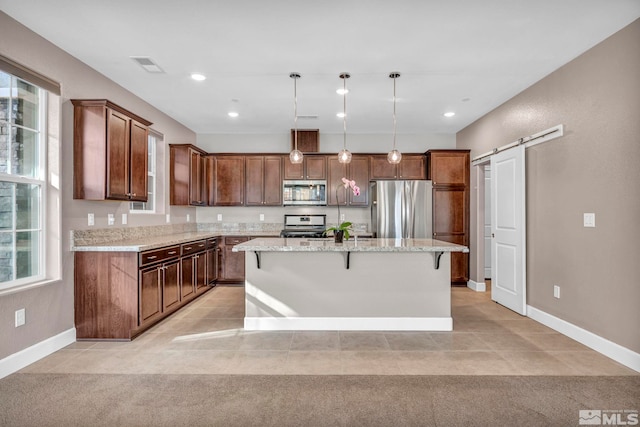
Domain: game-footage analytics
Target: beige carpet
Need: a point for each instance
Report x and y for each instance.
(28, 399)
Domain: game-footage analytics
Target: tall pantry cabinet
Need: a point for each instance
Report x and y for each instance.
(449, 171)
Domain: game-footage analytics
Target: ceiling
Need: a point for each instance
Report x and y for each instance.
(465, 56)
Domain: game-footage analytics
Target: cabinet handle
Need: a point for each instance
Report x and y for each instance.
(172, 253)
(152, 257)
(187, 249)
(201, 245)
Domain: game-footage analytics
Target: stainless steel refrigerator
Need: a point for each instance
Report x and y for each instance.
(401, 209)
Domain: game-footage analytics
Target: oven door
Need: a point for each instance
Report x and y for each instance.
(304, 192)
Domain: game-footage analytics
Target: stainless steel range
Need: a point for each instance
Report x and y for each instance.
(304, 225)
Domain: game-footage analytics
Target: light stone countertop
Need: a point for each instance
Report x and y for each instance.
(140, 244)
(351, 245)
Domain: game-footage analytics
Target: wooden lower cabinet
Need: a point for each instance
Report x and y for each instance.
(120, 294)
(232, 263)
(213, 261)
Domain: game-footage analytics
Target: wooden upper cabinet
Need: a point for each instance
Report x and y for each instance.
(358, 171)
(312, 167)
(187, 175)
(412, 166)
(110, 146)
(263, 185)
(226, 180)
(308, 140)
(450, 167)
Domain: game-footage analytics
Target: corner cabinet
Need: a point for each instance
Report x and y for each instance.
(110, 150)
(357, 170)
(187, 175)
(449, 171)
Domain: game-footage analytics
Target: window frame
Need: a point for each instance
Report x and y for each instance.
(152, 168)
(40, 180)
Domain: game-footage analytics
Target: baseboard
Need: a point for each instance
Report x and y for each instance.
(478, 287)
(348, 323)
(608, 348)
(19, 360)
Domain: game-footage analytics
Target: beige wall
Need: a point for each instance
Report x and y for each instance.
(49, 309)
(595, 167)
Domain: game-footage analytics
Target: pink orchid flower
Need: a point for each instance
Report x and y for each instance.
(347, 183)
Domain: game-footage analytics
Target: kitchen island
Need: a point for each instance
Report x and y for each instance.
(364, 284)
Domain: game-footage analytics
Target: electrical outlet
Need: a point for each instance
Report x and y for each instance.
(261, 217)
(219, 217)
(20, 317)
(188, 218)
(168, 218)
(341, 217)
(111, 219)
(124, 219)
(556, 291)
(91, 219)
(589, 220)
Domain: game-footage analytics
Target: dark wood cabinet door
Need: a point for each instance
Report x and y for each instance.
(272, 195)
(293, 171)
(212, 257)
(449, 216)
(315, 167)
(118, 134)
(188, 285)
(233, 268)
(171, 285)
(380, 168)
(139, 162)
(359, 172)
(412, 167)
(335, 172)
(449, 167)
(254, 184)
(201, 272)
(228, 181)
(197, 193)
(150, 302)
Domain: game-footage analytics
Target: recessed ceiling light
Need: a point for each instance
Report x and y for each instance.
(449, 114)
(341, 115)
(342, 91)
(198, 77)
(232, 114)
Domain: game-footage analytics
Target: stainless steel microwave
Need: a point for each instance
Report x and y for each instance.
(304, 192)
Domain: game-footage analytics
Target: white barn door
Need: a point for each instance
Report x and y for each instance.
(508, 229)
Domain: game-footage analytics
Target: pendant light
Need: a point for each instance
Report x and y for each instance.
(394, 155)
(296, 155)
(344, 156)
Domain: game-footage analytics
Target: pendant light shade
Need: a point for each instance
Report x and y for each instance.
(344, 156)
(394, 155)
(296, 155)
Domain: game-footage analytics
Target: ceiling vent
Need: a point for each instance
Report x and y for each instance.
(148, 64)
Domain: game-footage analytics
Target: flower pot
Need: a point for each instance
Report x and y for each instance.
(338, 236)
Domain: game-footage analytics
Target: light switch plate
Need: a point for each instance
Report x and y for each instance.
(589, 219)
(111, 219)
(261, 217)
(124, 219)
(556, 291)
(20, 317)
(188, 218)
(219, 217)
(168, 218)
(91, 219)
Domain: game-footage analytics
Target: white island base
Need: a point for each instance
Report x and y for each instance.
(386, 291)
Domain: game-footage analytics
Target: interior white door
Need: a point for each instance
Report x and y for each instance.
(508, 282)
(487, 222)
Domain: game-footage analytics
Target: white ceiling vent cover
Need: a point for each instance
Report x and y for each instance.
(148, 64)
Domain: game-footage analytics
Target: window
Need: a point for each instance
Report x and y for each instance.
(150, 205)
(22, 181)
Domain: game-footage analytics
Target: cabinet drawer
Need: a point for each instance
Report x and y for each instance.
(212, 242)
(193, 247)
(157, 255)
(235, 240)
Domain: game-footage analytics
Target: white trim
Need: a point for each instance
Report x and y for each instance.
(608, 348)
(348, 323)
(19, 360)
(476, 286)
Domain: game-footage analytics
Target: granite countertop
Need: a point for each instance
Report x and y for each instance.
(140, 244)
(351, 245)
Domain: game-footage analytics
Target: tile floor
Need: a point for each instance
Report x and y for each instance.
(206, 337)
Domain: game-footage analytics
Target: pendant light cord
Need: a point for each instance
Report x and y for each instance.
(295, 112)
(394, 111)
(344, 111)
